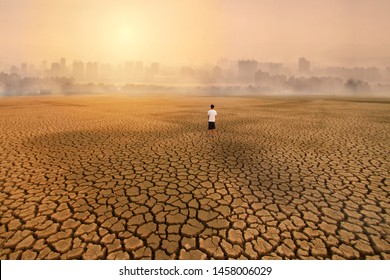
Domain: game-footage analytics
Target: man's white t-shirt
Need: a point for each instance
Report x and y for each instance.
(212, 113)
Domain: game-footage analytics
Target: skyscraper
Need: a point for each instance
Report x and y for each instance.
(55, 69)
(78, 70)
(91, 71)
(24, 69)
(303, 66)
(63, 67)
(247, 70)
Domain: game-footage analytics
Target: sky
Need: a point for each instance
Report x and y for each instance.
(195, 31)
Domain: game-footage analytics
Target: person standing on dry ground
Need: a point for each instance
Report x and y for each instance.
(211, 118)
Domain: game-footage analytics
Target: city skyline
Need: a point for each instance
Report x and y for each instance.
(190, 32)
(226, 75)
(64, 67)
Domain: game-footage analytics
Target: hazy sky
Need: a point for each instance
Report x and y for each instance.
(193, 31)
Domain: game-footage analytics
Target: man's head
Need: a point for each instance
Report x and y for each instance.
(212, 106)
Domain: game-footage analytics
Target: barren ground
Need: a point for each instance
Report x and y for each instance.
(139, 178)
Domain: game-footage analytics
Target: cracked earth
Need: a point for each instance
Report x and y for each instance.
(139, 178)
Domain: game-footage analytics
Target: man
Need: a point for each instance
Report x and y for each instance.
(211, 117)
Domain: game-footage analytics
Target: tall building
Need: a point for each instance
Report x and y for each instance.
(387, 73)
(63, 66)
(14, 69)
(32, 71)
(139, 68)
(106, 72)
(154, 69)
(78, 70)
(225, 63)
(262, 78)
(55, 69)
(91, 70)
(265, 80)
(129, 68)
(247, 70)
(271, 67)
(303, 66)
(24, 69)
(43, 68)
(216, 73)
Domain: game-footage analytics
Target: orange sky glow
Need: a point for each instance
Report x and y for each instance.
(195, 31)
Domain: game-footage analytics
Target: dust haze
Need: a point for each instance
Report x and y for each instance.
(221, 47)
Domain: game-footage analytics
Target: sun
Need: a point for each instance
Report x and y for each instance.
(125, 35)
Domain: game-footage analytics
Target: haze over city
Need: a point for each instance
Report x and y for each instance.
(347, 32)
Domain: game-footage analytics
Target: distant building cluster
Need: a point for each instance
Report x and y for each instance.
(91, 71)
(247, 73)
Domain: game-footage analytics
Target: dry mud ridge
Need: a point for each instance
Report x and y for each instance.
(138, 178)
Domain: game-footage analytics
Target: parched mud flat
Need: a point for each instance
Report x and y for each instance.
(139, 178)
